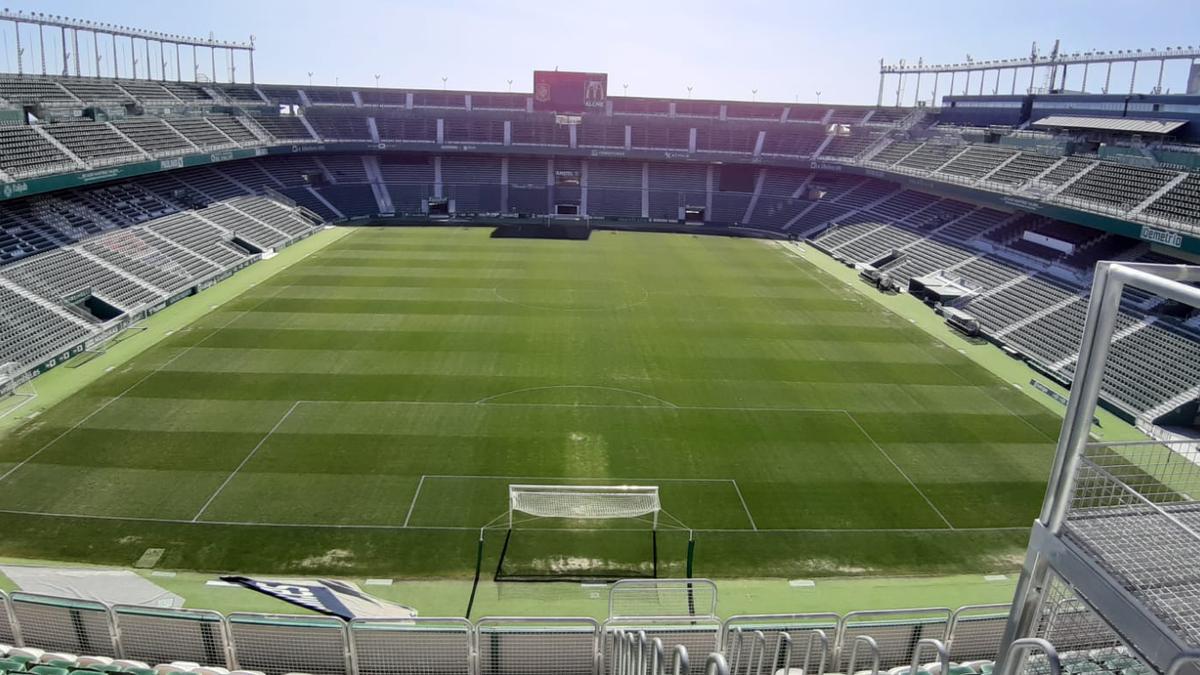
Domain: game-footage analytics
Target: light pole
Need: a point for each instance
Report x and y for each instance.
(689, 88)
(753, 94)
(378, 100)
(818, 98)
(626, 88)
(444, 78)
(510, 86)
(310, 74)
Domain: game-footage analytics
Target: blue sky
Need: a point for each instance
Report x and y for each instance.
(723, 49)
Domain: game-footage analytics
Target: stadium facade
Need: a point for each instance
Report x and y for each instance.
(122, 196)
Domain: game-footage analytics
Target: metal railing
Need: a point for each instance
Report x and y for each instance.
(323, 645)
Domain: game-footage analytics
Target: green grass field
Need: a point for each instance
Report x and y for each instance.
(363, 411)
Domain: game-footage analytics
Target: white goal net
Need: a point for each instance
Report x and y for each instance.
(584, 501)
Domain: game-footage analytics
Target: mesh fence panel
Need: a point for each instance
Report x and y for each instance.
(895, 631)
(633, 598)
(8, 636)
(1132, 510)
(1085, 642)
(278, 644)
(811, 638)
(165, 635)
(513, 646)
(61, 625)
(701, 637)
(976, 632)
(419, 646)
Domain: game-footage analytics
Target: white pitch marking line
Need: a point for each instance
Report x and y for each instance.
(744, 506)
(901, 471)
(489, 399)
(413, 505)
(131, 387)
(642, 479)
(245, 460)
(447, 528)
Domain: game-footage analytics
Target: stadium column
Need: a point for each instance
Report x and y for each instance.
(66, 57)
(645, 188)
(75, 40)
(504, 183)
(583, 185)
(917, 90)
(934, 101)
(1107, 77)
(708, 191)
(549, 191)
(20, 52)
(1133, 77)
(1162, 63)
(879, 100)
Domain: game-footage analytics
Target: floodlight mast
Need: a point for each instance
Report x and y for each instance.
(1048, 64)
(96, 28)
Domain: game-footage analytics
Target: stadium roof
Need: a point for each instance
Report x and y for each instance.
(1121, 124)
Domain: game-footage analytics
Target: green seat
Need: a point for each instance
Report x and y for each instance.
(49, 670)
(987, 668)
(99, 668)
(60, 663)
(961, 670)
(12, 665)
(22, 658)
(139, 671)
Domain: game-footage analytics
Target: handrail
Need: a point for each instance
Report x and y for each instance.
(939, 647)
(1020, 648)
(873, 646)
(715, 664)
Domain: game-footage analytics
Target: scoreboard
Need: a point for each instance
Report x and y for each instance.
(569, 92)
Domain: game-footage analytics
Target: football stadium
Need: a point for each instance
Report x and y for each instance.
(365, 380)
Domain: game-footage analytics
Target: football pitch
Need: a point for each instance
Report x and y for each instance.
(364, 411)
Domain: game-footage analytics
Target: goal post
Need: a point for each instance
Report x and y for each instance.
(586, 533)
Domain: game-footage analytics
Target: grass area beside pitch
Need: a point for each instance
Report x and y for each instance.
(362, 411)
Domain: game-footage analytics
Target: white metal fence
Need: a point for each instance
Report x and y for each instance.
(320, 645)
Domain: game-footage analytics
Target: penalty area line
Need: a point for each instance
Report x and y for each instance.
(413, 505)
(245, 460)
(753, 526)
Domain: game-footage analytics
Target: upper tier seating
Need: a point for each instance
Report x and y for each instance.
(24, 152)
(977, 161)
(34, 90)
(1116, 185)
(284, 128)
(1025, 166)
(333, 126)
(1181, 202)
(200, 132)
(153, 134)
(91, 141)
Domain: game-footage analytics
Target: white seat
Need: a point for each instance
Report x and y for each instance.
(127, 664)
(790, 671)
(85, 661)
(175, 667)
(247, 672)
(210, 670)
(29, 652)
(4, 649)
(57, 656)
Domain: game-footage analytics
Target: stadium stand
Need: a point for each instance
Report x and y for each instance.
(1018, 261)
